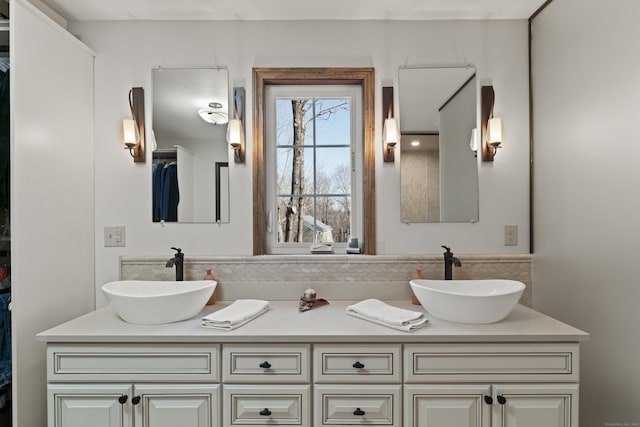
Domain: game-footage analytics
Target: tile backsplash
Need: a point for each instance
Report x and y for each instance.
(350, 277)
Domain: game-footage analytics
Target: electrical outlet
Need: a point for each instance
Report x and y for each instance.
(114, 236)
(511, 235)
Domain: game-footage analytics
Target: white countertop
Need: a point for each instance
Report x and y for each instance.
(328, 323)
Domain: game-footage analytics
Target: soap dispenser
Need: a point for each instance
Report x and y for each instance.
(209, 276)
(416, 275)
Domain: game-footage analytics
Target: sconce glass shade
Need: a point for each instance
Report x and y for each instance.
(129, 132)
(234, 132)
(390, 132)
(473, 143)
(494, 131)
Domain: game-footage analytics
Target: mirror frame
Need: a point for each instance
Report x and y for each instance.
(262, 77)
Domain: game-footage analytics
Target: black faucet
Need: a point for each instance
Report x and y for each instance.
(449, 260)
(178, 261)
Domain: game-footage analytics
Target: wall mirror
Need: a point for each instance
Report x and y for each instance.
(190, 174)
(439, 167)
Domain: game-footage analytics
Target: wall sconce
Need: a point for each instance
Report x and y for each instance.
(133, 129)
(491, 126)
(390, 130)
(235, 128)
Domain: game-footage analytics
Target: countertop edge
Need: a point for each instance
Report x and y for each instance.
(408, 339)
(523, 325)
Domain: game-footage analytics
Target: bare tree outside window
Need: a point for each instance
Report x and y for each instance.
(313, 169)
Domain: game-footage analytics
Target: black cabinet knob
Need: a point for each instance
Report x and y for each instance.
(265, 365)
(488, 400)
(265, 412)
(501, 399)
(358, 365)
(123, 399)
(359, 412)
(135, 400)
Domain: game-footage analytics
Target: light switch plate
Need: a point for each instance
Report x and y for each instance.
(114, 236)
(511, 235)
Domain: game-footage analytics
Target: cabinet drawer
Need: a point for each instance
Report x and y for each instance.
(491, 362)
(379, 363)
(284, 363)
(125, 362)
(249, 405)
(357, 405)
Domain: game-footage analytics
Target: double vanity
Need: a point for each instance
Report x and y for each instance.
(317, 368)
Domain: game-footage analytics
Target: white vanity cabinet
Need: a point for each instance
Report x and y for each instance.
(496, 384)
(111, 385)
(322, 368)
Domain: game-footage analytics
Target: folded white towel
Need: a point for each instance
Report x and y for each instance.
(384, 314)
(236, 314)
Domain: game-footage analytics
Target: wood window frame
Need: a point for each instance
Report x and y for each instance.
(365, 77)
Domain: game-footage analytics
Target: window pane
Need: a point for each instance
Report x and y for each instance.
(286, 159)
(284, 120)
(294, 119)
(292, 212)
(322, 231)
(333, 171)
(333, 121)
(296, 222)
(334, 215)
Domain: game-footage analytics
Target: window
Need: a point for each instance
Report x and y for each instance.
(314, 165)
(265, 225)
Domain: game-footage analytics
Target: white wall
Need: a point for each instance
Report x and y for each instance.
(52, 195)
(586, 69)
(128, 50)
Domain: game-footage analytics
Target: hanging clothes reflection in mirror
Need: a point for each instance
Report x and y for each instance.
(166, 194)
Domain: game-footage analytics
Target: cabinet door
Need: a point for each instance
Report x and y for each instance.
(95, 405)
(534, 405)
(447, 405)
(171, 405)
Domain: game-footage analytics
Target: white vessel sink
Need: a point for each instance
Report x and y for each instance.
(151, 302)
(468, 301)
